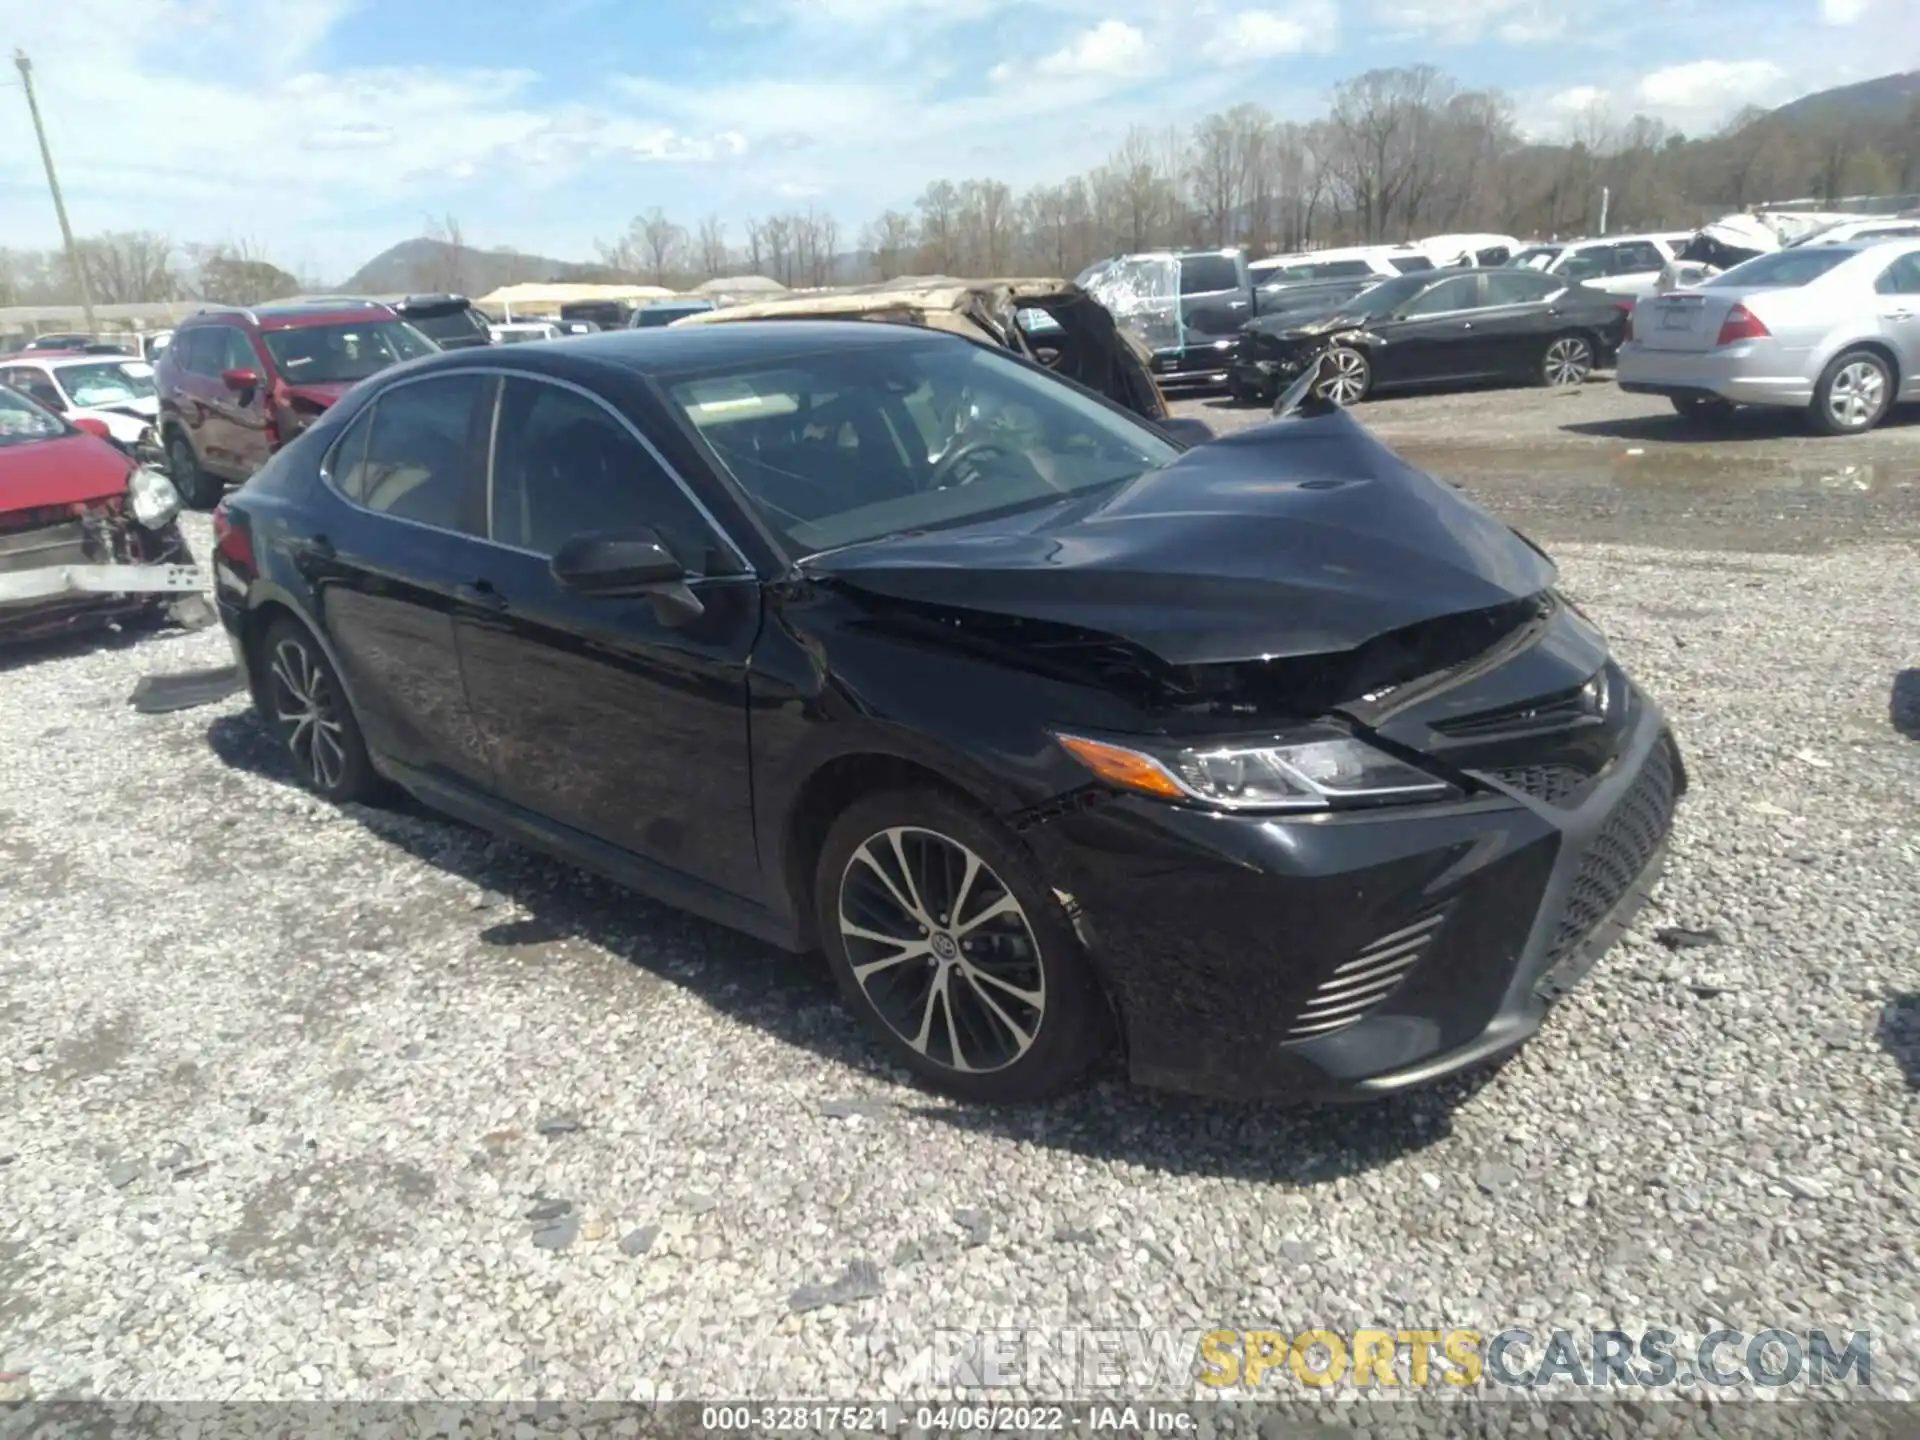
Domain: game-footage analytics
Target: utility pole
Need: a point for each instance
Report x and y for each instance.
(1606, 194)
(25, 67)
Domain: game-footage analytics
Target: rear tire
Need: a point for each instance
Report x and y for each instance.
(1853, 395)
(307, 710)
(1567, 361)
(198, 490)
(1348, 378)
(951, 947)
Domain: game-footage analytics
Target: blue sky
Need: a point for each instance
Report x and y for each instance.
(324, 130)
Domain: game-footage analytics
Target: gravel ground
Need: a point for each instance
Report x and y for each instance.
(298, 1102)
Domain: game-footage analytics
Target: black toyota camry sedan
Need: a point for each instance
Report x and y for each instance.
(1270, 760)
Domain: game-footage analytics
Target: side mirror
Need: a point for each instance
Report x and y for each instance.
(1187, 430)
(94, 427)
(633, 562)
(238, 380)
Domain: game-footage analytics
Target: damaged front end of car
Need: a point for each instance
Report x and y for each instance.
(117, 558)
(1343, 791)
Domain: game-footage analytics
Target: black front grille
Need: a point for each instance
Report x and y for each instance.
(1626, 842)
(1550, 712)
(1555, 784)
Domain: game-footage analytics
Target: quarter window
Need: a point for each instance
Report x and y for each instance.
(411, 455)
(564, 466)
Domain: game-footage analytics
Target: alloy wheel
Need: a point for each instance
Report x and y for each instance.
(1856, 395)
(308, 710)
(942, 950)
(1348, 382)
(1569, 361)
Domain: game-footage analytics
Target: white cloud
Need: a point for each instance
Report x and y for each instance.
(1842, 12)
(1250, 36)
(1577, 100)
(1712, 85)
(1462, 22)
(1112, 48)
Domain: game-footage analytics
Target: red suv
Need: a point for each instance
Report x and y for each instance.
(237, 384)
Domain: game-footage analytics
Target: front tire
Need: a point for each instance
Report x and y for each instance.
(308, 712)
(1567, 362)
(1853, 395)
(198, 490)
(949, 945)
(1348, 378)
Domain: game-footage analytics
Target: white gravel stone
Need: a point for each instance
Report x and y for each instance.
(272, 1081)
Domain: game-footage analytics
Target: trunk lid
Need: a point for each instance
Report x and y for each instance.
(1299, 537)
(1682, 319)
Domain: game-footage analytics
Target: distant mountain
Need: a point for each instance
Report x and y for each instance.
(1872, 102)
(423, 264)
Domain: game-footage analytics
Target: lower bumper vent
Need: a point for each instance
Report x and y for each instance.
(1356, 987)
(1618, 854)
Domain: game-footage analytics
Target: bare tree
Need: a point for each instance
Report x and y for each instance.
(890, 241)
(660, 244)
(129, 265)
(712, 245)
(235, 273)
(446, 271)
(940, 227)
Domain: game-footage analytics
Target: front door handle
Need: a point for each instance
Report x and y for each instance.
(482, 594)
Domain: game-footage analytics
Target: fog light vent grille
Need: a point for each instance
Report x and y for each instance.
(1356, 987)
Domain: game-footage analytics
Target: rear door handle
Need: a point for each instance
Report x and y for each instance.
(482, 594)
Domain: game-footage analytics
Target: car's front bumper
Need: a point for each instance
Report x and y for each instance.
(1200, 364)
(1752, 373)
(1226, 942)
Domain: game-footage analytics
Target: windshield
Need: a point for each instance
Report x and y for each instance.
(111, 382)
(343, 354)
(460, 324)
(22, 422)
(1536, 257)
(1782, 269)
(846, 445)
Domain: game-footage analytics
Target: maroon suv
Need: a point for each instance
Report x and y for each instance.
(237, 384)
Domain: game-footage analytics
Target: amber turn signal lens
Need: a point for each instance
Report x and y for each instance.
(1128, 769)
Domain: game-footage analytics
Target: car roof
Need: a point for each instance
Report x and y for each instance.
(669, 349)
(295, 314)
(59, 360)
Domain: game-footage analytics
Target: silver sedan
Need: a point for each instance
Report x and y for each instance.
(1833, 330)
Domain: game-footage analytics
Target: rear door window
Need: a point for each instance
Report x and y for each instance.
(1408, 264)
(1207, 274)
(413, 454)
(1631, 257)
(1902, 277)
(1520, 287)
(1590, 262)
(1462, 292)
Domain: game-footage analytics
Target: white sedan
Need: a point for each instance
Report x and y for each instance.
(1833, 330)
(118, 391)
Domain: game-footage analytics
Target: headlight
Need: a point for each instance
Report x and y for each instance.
(1312, 768)
(153, 498)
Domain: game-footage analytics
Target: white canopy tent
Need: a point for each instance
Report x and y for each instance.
(548, 297)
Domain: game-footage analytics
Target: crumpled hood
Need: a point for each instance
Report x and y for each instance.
(1300, 537)
(67, 470)
(1309, 321)
(319, 395)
